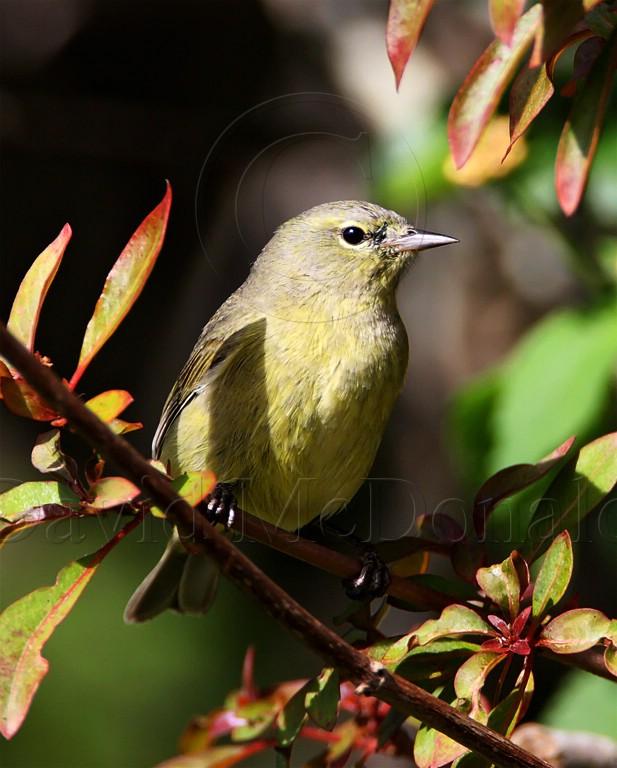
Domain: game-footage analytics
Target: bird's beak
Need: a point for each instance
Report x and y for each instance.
(418, 240)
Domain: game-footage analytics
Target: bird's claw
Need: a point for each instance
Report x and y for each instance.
(220, 506)
(372, 581)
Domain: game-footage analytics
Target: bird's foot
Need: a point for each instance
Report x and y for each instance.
(372, 581)
(220, 506)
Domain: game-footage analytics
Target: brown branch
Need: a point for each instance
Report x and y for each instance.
(352, 664)
(337, 563)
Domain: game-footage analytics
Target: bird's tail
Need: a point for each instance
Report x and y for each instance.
(180, 581)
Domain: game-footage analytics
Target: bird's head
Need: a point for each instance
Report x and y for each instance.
(348, 246)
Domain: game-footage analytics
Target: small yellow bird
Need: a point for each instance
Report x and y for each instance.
(288, 390)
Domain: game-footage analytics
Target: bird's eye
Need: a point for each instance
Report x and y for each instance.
(353, 235)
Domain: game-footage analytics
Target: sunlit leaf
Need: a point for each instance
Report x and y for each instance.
(484, 86)
(18, 500)
(581, 131)
(215, 757)
(501, 584)
(291, 718)
(577, 489)
(508, 481)
(554, 576)
(121, 427)
(22, 400)
(405, 21)
(48, 457)
(504, 15)
(574, 631)
(31, 293)
(610, 654)
(25, 627)
(454, 620)
(124, 283)
(530, 93)
(322, 698)
(111, 492)
(108, 405)
(472, 674)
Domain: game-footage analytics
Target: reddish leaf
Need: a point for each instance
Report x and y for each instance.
(35, 516)
(31, 293)
(405, 21)
(559, 21)
(124, 283)
(504, 15)
(25, 627)
(529, 94)
(22, 400)
(574, 631)
(484, 86)
(112, 491)
(581, 132)
(110, 404)
(518, 625)
(554, 576)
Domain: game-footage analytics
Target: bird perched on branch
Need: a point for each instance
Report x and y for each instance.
(288, 390)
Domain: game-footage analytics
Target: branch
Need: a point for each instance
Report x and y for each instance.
(351, 663)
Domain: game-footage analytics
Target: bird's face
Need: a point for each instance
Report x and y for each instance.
(351, 246)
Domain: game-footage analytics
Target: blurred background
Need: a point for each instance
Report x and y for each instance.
(255, 111)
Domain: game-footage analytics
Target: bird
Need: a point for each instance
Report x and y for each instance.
(288, 390)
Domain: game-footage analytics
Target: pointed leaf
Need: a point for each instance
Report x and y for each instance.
(111, 492)
(577, 489)
(18, 500)
(110, 404)
(574, 631)
(553, 577)
(454, 620)
(405, 21)
(484, 86)
(124, 283)
(500, 583)
(48, 457)
(35, 516)
(31, 294)
(322, 699)
(504, 15)
(530, 93)
(25, 627)
(291, 718)
(610, 654)
(504, 717)
(472, 674)
(581, 132)
(121, 427)
(21, 399)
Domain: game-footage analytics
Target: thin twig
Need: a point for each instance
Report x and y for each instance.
(351, 663)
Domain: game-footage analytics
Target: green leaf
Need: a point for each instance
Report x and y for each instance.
(32, 517)
(553, 577)
(510, 480)
(472, 674)
(25, 627)
(484, 86)
(111, 492)
(26, 496)
(581, 131)
(389, 651)
(530, 93)
(48, 457)
(555, 384)
(504, 717)
(574, 631)
(322, 698)
(194, 486)
(405, 21)
(454, 620)
(124, 283)
(108, 405)
(291, 718)
(504, 15)
(576, 490)
(501, 584)
(31, 294)
(610, 654)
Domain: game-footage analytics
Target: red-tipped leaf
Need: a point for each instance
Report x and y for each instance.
(484, 86)
(504, 15)
(405, 21)
(124, 283)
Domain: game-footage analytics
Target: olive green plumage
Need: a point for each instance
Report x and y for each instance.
(289, 387)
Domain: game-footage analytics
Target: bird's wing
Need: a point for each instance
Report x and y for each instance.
(217, 346)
